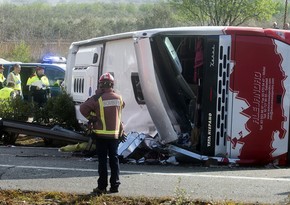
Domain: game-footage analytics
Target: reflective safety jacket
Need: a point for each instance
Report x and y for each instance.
(6, 93)
(2, 78)
(104, 112)
(40, 82)
(16, 79)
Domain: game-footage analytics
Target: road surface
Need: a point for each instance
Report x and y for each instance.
(46, 169)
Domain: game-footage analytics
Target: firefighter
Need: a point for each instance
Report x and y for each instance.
(104, 110)
(38, 85)
(15, 78)
(2, 78)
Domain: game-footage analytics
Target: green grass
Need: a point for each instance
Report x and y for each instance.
(8, 197)
(18, 197)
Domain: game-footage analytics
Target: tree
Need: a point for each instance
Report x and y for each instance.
(156, 16)
(225, 12)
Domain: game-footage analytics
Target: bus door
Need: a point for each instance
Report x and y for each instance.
(85, 71)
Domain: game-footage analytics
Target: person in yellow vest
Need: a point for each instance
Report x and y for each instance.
(15, 78)
(6, 94)
(2, 78)
(38, 85)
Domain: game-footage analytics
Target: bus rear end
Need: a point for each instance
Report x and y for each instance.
(225, 88)
(259, 96)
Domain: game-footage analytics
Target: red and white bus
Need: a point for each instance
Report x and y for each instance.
(226, 88)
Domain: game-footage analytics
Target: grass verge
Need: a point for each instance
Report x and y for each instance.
(10, 197)
(18, 197)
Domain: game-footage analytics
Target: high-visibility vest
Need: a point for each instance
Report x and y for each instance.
(2, 78)
(16, 81)
(41, 83)
(5, 93)
(106, 103)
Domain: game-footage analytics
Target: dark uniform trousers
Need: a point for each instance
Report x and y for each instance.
(104, 148)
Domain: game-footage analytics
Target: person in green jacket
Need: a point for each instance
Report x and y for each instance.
(38, 85)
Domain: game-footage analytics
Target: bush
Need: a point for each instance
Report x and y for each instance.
(60, 110)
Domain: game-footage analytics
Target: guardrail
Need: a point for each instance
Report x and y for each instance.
(56, 132)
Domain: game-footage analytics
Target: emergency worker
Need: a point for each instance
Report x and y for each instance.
(104, 111)
(38, 85)
(15, 78)
(6, 94)
(2, 78)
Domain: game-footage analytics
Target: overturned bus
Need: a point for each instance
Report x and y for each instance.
(226, 88)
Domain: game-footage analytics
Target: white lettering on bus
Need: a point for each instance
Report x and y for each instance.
(212, 56)
(256, 96)
(209, 129)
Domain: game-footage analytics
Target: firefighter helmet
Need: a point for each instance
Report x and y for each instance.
(106, 81)
(106, 77)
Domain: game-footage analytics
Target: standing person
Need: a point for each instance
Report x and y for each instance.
(38, 86)
(104, 110)
(15, 78)
(2, 78)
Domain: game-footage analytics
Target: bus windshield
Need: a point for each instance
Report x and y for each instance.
(180, 63)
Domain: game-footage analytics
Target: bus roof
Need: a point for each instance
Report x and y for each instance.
(198, 30)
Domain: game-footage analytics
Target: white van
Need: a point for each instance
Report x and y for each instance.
(226, 88)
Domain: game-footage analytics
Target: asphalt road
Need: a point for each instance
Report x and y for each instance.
(46, 169)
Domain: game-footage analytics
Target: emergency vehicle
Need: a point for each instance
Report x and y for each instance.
(226, 88)
(54, 72)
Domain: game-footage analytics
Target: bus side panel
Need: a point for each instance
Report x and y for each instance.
(120, 60)
(260, 100)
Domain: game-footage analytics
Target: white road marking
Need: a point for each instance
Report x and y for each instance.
(152, 173)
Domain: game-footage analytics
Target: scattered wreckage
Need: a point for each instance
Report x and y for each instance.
(138, 148)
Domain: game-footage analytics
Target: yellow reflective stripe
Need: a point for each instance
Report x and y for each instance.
(106, 132)
(93, 114)
(120, 114)
(102, 114)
